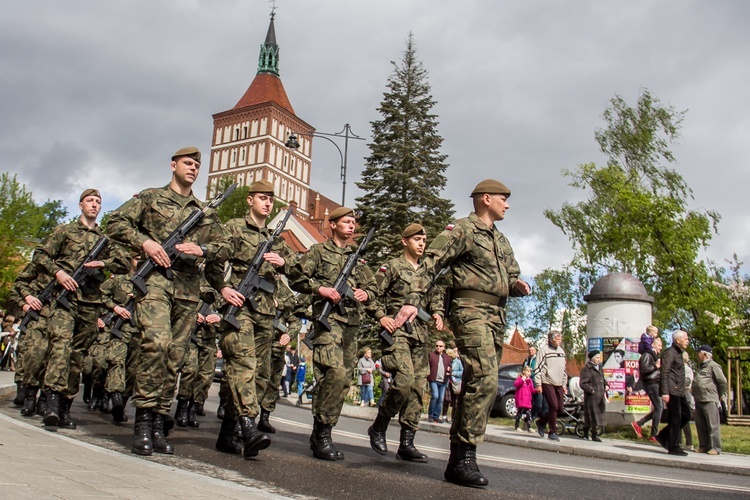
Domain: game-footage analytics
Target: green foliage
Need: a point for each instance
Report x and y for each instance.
(22, 224)
(636, 218)
(405, 172)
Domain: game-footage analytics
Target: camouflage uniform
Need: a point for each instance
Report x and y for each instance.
(167, 312)
(247, 352)
(334, 356)
(484, 270)
(406, 359)
(72, 332)
(288, 309)
(120, 354)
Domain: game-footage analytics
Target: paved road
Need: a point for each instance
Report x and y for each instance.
(288, 468)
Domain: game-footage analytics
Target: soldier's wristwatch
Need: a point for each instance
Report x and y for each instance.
(204, 249)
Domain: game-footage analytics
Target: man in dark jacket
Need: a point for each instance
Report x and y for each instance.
(440, 375)
(648, 368)
(672, 388)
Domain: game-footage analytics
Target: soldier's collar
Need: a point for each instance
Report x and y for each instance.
(473, 217)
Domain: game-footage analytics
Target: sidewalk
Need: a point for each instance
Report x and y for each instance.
(38, 464)
(612, 449)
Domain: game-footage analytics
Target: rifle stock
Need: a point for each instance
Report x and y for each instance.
(82, 273)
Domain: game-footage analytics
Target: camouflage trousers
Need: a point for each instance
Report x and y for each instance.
(198, 370)
(478, 328)
(333, 364)
(35, 350)
(121, 356)
(245, 352)
(95, 362)
(271, 394)
(165, 323)
(20, 348)
(71, 334)
(407, 362)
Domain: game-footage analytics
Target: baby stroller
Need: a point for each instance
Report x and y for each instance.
(307, 392)
(571, 419)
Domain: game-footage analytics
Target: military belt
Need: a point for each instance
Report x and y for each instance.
(480, 296)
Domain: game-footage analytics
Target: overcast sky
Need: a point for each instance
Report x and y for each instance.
(101, 93)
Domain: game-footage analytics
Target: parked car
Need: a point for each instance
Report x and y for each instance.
(505, 401)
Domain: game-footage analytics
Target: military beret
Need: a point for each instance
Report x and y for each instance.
(491, 186)
(90, 192)
(413, 229)
(260, 187)
(191, 151)
(339, 213)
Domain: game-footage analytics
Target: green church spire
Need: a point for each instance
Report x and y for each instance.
(268, 62)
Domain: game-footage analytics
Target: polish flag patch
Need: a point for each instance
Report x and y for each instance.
(383, 269)
(450, 227)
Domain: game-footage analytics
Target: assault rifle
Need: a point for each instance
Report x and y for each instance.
(82, 273)
(118, 321)
(278, 324)
(252, 281)
(44, 298)
(421, 313)
(204, 310)
(179, 234)
(342, 287)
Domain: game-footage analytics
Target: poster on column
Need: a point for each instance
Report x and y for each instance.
(620, 369)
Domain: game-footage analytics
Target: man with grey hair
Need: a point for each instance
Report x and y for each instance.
(709, 388)
(672, 390)
(550, 377)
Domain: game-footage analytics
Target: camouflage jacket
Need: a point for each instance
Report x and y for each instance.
(480, 259)
(289, 311)
(28, 282)
(320, 266)
(245, 238)
(154, 214)
(67, 247)
(394, 283)
(117, 290)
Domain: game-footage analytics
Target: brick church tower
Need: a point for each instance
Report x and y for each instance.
(248, 141)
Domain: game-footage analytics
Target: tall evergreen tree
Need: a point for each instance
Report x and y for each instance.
(405, 172)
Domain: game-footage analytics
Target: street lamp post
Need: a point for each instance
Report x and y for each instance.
(293, 143)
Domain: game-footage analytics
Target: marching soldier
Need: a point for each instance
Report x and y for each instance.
(73, 331)
(484, 273)
(407, 358)
(335, 351)
(246, 351)
(166, 313)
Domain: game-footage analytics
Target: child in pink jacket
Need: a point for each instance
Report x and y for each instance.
(524, 387)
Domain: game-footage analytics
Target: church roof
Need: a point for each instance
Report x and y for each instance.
(265, 88)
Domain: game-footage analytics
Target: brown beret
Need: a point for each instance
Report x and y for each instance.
(413, 229)
(491, 186)
(190, 151)
(260, 187)
(90, 192)
(339, 213)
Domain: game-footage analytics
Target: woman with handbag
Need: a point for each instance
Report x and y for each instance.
(366, 367)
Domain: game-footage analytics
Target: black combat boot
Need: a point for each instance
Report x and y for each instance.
(377, 434)
(161, 445)
(192, 418)
(220, 412)
(20, 394)
(406, 448)
(29, 402)
(462, 467)
(118, 407)
(199, 410)
(227, 441)
(104, 407)
(263, 423)
(252, 438)
(142, 443)
(95, 403)
(180, 414)
(65, 422)
(86, 388)
(41, 403)
(321, 443)
(52, 410)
